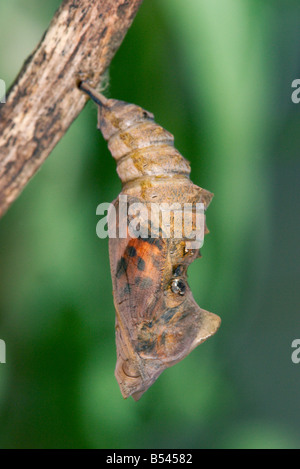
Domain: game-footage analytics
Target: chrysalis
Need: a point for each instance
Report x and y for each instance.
(158, 322)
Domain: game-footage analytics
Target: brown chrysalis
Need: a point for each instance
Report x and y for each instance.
(158, 322)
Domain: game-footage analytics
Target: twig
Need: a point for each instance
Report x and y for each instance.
(44, 99)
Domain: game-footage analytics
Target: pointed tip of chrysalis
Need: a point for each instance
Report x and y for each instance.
(97, 97)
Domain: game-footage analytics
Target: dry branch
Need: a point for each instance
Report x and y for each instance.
(44, 99)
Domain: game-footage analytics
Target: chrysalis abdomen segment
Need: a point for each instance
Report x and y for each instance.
(139, 145)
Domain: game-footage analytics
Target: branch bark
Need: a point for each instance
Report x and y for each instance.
(44, 99)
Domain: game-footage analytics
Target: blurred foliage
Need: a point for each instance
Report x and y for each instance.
(218, 76)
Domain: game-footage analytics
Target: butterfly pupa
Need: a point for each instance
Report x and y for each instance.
(158, 322)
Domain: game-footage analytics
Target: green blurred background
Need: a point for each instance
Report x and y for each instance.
(217, 74)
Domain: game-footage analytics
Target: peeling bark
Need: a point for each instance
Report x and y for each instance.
(44, 100)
